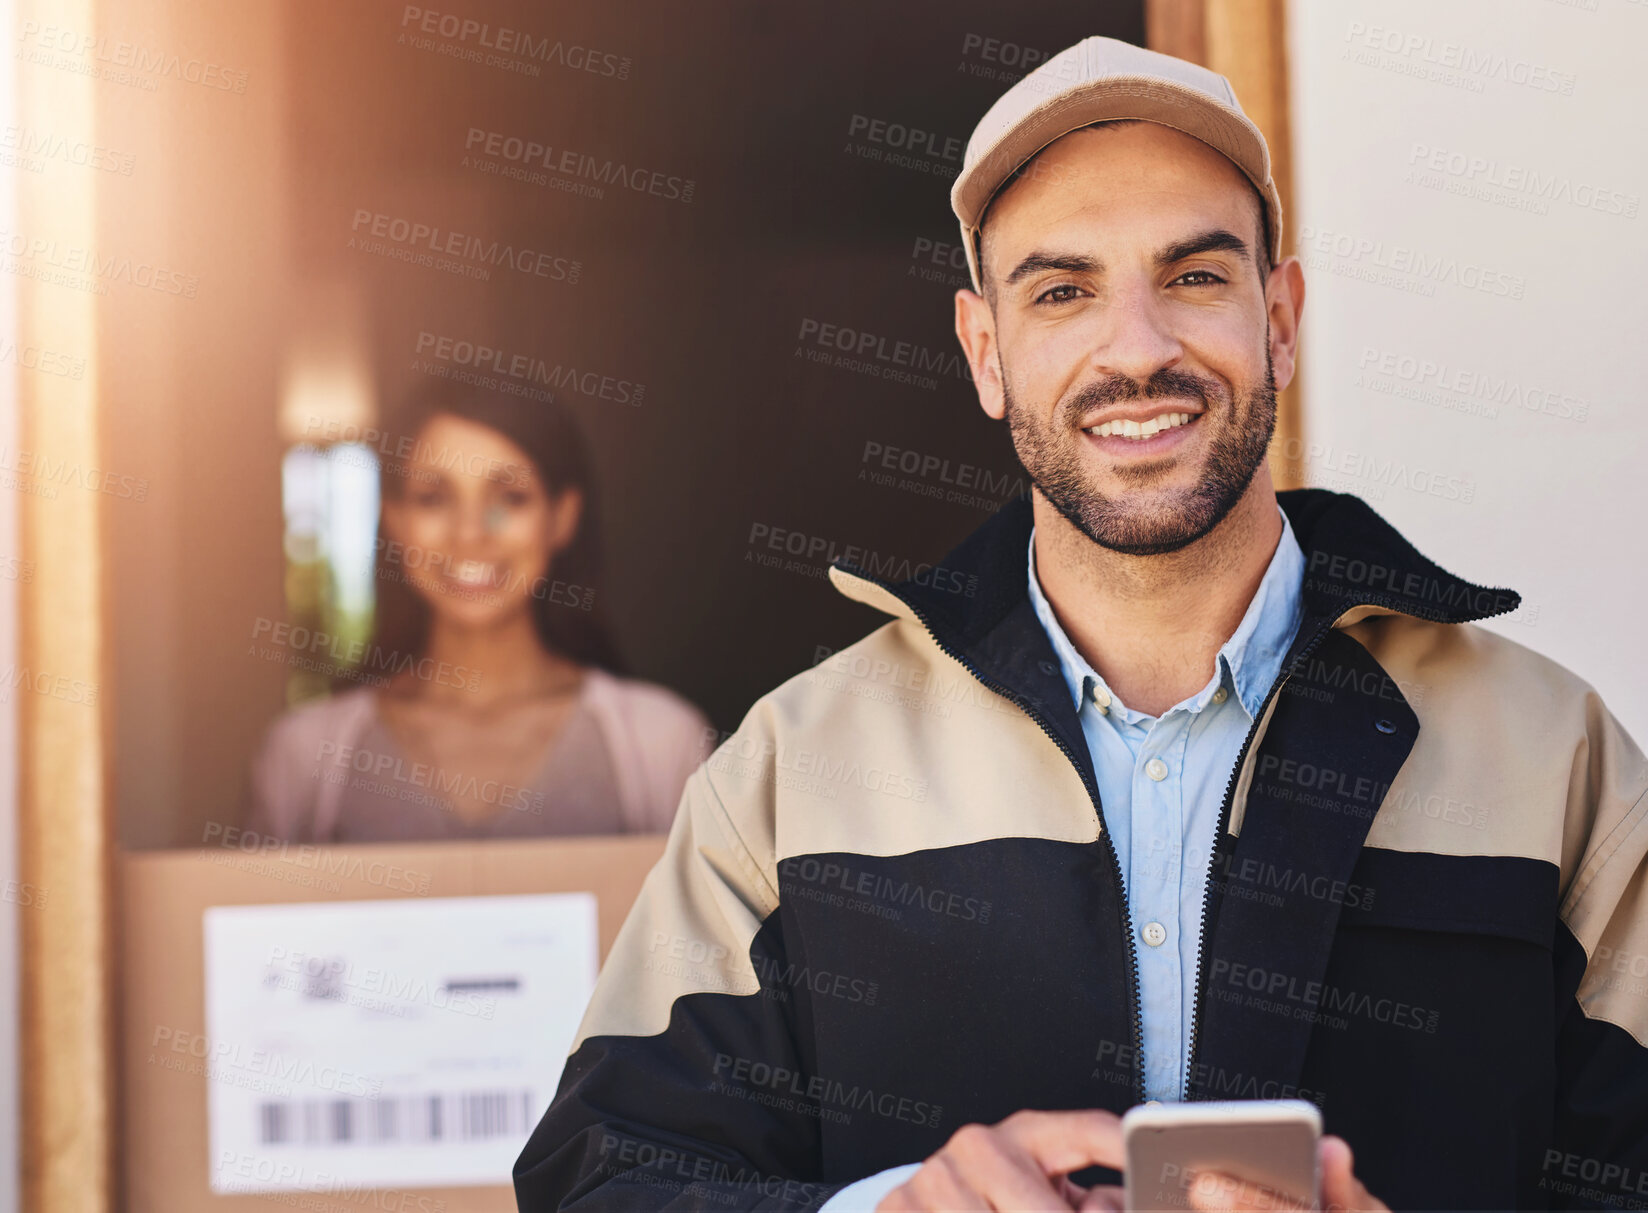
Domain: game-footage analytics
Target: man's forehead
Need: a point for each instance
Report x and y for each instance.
(1181, 182)
(1088, 168)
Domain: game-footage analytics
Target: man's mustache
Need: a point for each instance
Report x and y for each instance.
(1169, 383)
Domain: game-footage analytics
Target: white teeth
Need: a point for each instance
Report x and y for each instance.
(474, 572)
(1141, 430)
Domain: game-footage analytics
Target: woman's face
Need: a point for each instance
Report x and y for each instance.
(473, 528)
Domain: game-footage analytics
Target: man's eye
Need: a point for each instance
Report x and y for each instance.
(1202, 278)
(1059, 294)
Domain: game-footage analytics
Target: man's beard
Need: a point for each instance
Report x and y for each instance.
(1054, 462)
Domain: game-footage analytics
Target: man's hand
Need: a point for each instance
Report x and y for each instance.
(1342, 1192)
(1218, 1192)
(1018, 1164)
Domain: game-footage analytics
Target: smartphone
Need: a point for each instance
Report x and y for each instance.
(1265, 1141)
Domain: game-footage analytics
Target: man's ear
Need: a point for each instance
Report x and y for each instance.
(1285, 303)
(976, 330)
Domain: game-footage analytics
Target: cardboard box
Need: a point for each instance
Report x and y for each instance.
(164, 1166)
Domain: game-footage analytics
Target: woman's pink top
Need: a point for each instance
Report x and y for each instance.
(332, 772)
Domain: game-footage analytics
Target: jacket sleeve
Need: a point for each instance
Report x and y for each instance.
(1599, 1155)
(680, 1092)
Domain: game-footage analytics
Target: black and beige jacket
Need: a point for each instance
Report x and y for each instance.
(889, 907)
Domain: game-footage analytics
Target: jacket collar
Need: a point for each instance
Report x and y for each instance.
(1353, 558)
(976, 603)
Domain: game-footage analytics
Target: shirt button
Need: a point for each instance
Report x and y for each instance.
(1156, 769)
(1101, 696)
(1155, 934)
(1220, 695)
(1152, 1103)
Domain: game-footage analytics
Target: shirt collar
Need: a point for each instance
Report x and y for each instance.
(1249, 660)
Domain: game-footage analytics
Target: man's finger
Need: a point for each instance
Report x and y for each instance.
(1062, 1142)
(1341, 1190)
(1000, 1170)
(936, 1186)
(1106, 1198)
(1219, 1190)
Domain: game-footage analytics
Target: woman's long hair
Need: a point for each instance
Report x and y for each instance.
(570, 622)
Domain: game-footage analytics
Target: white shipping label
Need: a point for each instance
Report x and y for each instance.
(395, 1044)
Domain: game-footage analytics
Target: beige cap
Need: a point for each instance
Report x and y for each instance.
(1097, 80)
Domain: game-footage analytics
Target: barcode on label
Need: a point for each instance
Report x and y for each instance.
(425, 1118)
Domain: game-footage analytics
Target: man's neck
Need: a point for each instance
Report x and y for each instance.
(1152, 626)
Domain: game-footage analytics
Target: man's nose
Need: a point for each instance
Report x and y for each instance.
(1134, 338)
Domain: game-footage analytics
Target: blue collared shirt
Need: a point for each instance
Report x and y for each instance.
(1162, 781)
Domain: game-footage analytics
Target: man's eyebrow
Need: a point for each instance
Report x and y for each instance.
(1035, 263)
(1213, 240)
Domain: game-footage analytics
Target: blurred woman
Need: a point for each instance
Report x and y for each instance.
(498, 710)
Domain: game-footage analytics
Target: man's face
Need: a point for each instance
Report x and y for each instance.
(1127, 298)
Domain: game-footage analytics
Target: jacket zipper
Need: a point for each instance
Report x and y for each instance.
(1224, 817)
(1109, 845)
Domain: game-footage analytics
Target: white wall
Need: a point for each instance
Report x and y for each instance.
(1472, 207)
